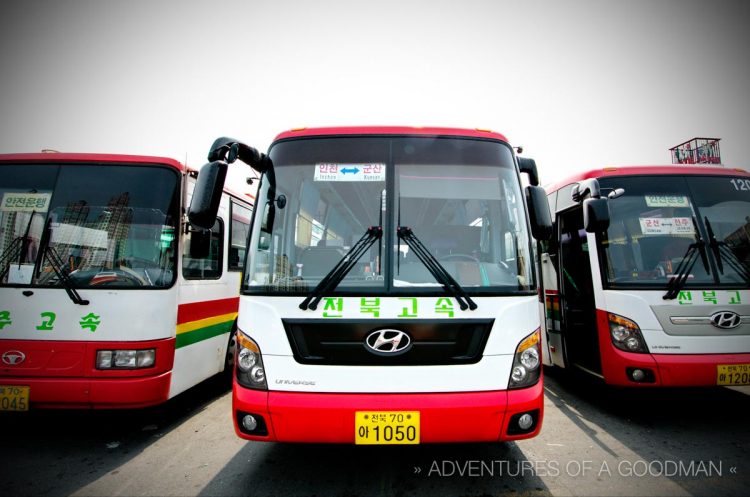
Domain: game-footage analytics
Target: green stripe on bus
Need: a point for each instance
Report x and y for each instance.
(195, 336)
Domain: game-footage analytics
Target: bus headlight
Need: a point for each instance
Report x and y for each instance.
(250, 370)
(125, 359)
(526, 365)
(626, 335)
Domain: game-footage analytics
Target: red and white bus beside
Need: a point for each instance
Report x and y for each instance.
(107, 299)
(389, 294)
(647, 277)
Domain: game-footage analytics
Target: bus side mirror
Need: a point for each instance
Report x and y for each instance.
(539, 216)
(200, 244)
(207, 194)
(595, 215)
(528, 166)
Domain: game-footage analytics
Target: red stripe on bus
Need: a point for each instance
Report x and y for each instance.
(206, 309)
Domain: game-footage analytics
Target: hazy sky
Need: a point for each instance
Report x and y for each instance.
(580, 84)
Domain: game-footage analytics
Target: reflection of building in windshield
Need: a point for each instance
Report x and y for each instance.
(93, 245)
(739, 242)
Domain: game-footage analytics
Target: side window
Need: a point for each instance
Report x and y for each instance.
(196, 265)
(238, 233)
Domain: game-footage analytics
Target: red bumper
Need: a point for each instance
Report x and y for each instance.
(694, 370)
(77, 393)
(669, 370)
(63, 374)
(445, 417)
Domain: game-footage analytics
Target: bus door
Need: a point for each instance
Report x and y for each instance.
(577, 307)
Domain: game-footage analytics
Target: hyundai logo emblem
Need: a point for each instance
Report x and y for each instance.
(388, 342)
(726, 320)
(13, 357)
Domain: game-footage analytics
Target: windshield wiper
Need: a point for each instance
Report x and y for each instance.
(721, 251)
(437, 270)
(680, 276)
(57, 265)
(331, 280)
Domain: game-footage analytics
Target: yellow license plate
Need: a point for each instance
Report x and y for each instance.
(386, 427)
(733, 374)
(14, 398)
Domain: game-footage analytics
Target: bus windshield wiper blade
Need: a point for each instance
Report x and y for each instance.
(721, 251)
(59, 268)
(680, 276)
(331, 280)
(437, 270)
(47, 252)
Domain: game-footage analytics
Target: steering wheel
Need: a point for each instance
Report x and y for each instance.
(137, 262)
(116, 277)
(459, 257)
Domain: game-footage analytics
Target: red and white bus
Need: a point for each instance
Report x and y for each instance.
(647, 277)
(107, 300)
(389, 295)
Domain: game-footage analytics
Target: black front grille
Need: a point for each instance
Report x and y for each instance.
(434, 341)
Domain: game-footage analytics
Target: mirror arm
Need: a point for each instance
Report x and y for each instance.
(229, 150)
(586, 189)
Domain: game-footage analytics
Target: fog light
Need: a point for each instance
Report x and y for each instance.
(525, 421)
(638, 375)
(249, 422)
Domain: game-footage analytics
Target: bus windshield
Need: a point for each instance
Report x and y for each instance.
(461, 198)
(655, 222)
(104, 226)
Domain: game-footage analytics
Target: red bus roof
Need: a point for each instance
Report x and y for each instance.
(672, 169)
(58, 157)
(47, 157)
(390, 130)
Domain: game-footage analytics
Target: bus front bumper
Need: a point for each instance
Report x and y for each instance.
(669, 370)
(94, 393)
(444, 417)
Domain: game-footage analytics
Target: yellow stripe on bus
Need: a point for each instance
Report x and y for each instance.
(202, 323)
